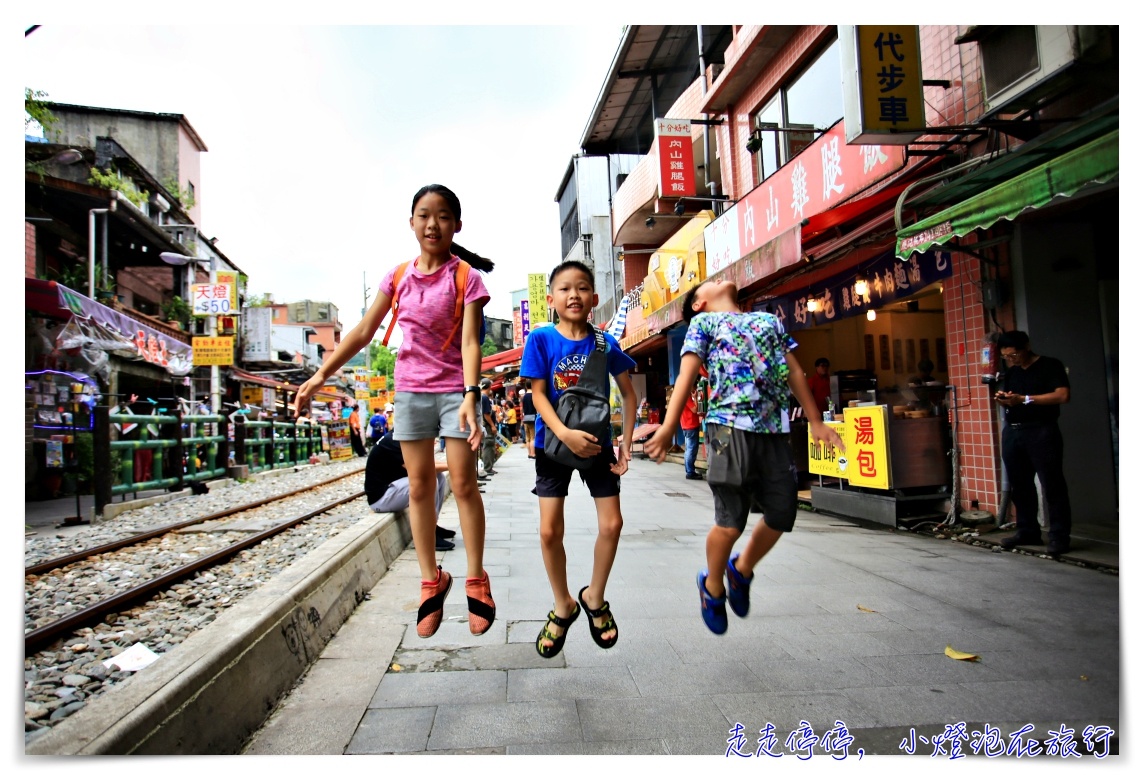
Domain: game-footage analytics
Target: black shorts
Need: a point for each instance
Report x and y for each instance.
(552, 478)
(746, 469)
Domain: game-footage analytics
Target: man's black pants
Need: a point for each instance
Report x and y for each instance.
(1037, 450)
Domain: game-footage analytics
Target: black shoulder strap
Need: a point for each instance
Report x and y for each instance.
(601, 345)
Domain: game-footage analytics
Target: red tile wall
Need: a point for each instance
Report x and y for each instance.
(29, 250)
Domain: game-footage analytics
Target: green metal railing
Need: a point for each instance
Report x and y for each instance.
(178, 458)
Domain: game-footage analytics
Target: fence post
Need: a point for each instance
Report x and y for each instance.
(179, 452)
(101, 446)
(240, 440)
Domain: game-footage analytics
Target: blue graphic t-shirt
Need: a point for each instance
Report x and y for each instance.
(559, 361)
(745, 356)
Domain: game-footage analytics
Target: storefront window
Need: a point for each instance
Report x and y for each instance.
(812, 99)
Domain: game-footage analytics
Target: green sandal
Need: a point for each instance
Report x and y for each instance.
(550, 651)
(605, 611)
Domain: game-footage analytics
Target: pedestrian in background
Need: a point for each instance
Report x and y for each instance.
(435, 383)
(1032, 391)
(387, 485)
(689, 423)
(749, 459)
(489, 443)
(356, 441)
(528, 416)
(553, 359)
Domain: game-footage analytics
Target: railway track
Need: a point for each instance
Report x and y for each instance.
(44, 635)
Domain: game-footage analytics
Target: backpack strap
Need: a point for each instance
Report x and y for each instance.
(460, 282)
(400, 272)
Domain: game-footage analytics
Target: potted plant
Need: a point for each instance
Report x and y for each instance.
(176, 312)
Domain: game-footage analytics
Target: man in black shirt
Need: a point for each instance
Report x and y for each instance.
(1032, 391)
(387, 483)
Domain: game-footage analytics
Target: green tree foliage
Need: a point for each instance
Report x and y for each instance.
(36, 112)
(384, 359)
(489, 347)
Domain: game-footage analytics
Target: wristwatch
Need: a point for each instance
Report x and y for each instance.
(471, 389)
(1028, 400)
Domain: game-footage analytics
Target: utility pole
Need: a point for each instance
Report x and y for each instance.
(364, 308)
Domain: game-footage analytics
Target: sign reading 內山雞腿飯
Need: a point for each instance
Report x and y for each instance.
(676, 158)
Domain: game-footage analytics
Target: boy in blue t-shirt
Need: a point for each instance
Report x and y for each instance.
(749, 460)
(553, 359)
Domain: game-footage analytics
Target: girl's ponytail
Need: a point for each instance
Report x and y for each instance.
(472, 258)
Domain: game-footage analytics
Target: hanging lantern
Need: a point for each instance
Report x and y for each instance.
(871, 315)
(861, 289)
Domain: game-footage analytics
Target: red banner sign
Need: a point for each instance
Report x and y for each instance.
(825, 174)
(676, 158)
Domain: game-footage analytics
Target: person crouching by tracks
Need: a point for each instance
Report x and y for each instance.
(387, 484)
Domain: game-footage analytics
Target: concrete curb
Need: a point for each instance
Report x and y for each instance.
(208, 695)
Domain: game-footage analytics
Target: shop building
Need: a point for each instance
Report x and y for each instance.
(881, 251)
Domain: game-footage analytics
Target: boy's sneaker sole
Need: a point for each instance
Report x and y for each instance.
(714, 610)
(738, 588)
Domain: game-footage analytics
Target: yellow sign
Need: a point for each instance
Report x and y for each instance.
(378, 383)
(231, 278)
(361, 395)
(378, 402)
(883, 98)
(212, 351)
(867, 440)
(825, 459)
(537, 300)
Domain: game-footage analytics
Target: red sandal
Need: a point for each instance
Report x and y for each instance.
(433, 593)
(482, 608)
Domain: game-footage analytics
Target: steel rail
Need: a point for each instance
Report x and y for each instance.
(41, 637)
(65, 560)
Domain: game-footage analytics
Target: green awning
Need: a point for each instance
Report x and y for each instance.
(1097, 162)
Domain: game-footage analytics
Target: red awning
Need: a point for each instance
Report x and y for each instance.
(42, 296)
(839, 215)
(501, 358)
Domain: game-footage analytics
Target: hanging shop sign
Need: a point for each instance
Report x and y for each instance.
(256, 327)
(379, 382)
(887, 280)
(213, 350)
(824, 175)
(517, 333)
(676, 158)
(525, 322)
(209, 300)
(231, 278)
(882, 83)
(537, 299)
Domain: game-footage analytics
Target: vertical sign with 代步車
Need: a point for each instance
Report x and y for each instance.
(882, 83)
(867, 437)
(537, 300)
(676, 158)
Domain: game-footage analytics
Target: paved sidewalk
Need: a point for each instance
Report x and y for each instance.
(849, 622)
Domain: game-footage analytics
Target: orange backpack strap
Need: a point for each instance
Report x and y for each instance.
(393, 304)
(460, 282)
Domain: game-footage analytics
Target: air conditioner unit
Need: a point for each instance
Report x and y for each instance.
(1018, 62)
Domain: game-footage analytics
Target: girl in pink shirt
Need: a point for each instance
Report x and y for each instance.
(435, 394)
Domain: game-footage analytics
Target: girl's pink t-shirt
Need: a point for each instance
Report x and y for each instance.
(425, 315)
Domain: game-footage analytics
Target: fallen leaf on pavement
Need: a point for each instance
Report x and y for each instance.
(864, 609)
(957, 655)
(395, 667)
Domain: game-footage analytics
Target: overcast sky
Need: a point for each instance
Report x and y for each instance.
(319, 136)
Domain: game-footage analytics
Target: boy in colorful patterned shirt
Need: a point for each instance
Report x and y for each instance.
(749, 460)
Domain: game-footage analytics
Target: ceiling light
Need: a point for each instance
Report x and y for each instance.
(871, 315)
(812, 304)
(861, 289)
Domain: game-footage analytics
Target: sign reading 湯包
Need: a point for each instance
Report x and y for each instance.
(826, 174)
(882, 88)
(676, 158)
(537, 299)
(867, 437)
(825, 458)
(212, 350)
(887, 280)
(211, 299)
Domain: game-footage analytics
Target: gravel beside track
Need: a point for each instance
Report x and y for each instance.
(62, 679)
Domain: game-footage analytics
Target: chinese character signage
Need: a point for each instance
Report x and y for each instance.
(828, 173)
(537, 300)
(676, 158)
(212, 350)
(867, 437)
(887, 280)
(882, 83)
(525, 323)
(517, 333)
(256, 333)
(825, 458)
(231, 278)
(380, 382)
(208, 300)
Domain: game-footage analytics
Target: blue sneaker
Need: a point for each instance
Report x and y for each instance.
(714, 610)
(738, 588)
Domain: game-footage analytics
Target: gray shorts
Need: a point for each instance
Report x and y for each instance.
(426, 416)
(746, 469)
